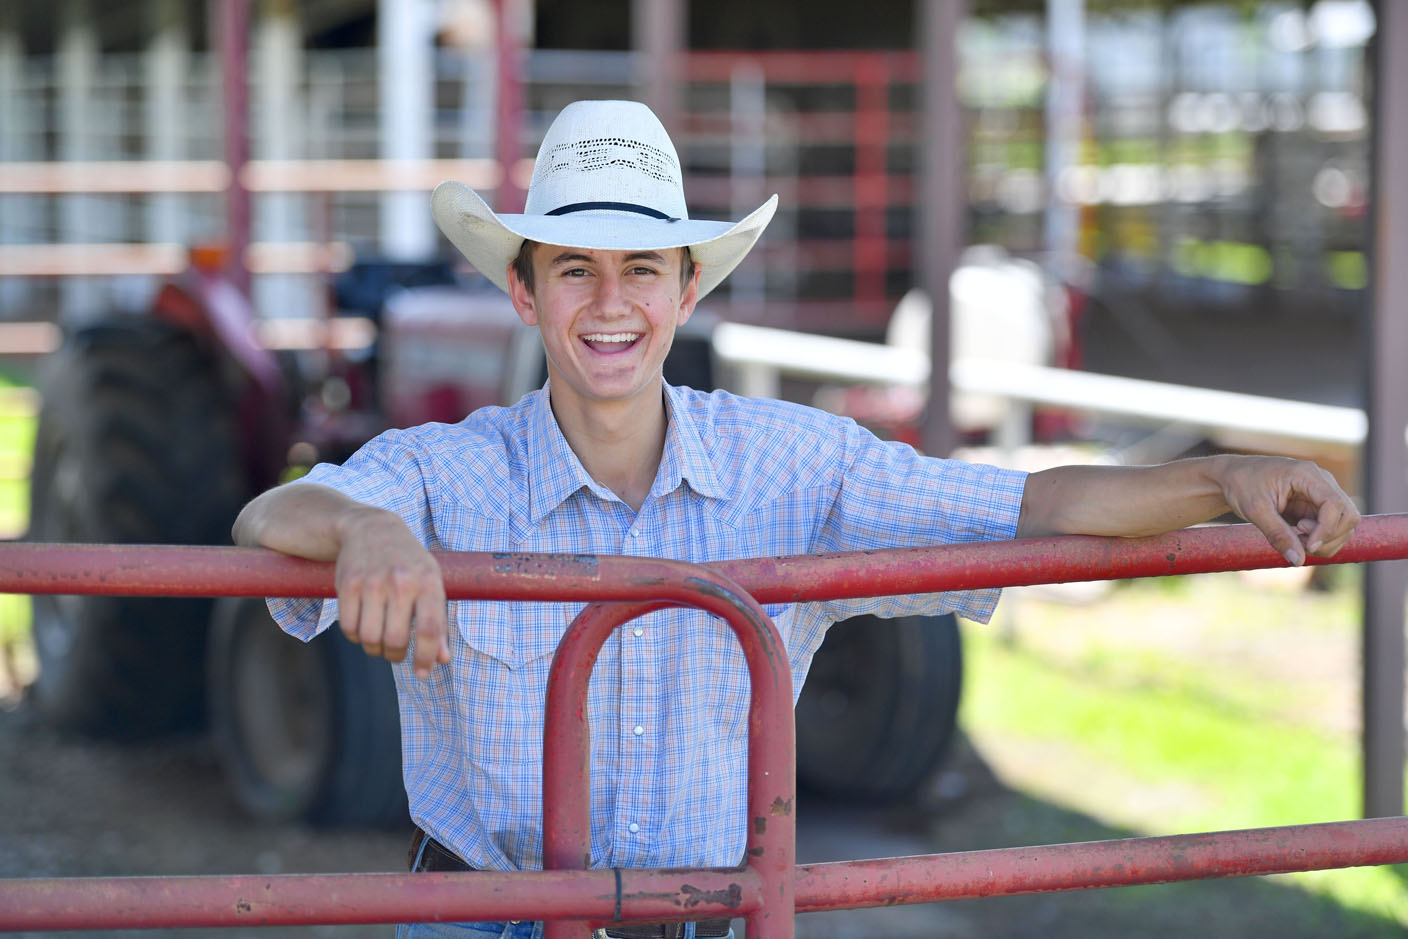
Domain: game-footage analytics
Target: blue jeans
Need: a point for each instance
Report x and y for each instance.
(510, 930)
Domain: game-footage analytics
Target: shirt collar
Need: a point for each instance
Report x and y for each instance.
(685, 457)
(554, 472)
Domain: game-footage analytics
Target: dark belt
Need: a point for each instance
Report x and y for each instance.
(436, 858)
(710, 928)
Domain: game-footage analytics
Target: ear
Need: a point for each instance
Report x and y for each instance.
(522, 298)
(690, 296)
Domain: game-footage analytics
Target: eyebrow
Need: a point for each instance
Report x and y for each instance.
(568, 257)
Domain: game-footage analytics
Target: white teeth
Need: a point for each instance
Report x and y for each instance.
(611, 337)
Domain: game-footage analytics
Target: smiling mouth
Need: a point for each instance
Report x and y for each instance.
(610, 343)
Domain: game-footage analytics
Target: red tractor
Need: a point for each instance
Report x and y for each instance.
(156, 428)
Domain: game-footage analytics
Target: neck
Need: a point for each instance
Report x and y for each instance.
(620, 443)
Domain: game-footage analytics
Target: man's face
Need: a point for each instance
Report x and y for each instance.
(607, 317)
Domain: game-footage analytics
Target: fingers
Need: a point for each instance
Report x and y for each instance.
(349, 603)
(1264, 514)
(382, 604)
(396, 636)
(432, 635)
(1334, 523)
(363, 611)
(1297, 505)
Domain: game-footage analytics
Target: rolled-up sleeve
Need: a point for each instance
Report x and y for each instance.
(887, 496)
(387, 472)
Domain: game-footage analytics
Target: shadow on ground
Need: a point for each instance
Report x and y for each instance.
(969, 809)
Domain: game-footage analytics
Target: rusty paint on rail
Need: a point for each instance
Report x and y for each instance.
(577, 566)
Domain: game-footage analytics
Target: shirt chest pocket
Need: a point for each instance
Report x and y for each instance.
(513, 633)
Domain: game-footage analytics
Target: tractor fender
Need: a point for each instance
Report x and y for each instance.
(216, 311)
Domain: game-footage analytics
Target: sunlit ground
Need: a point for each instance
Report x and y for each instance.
(1184, 704)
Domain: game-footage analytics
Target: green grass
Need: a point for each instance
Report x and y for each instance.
(1193, 706)
(15, 614)
(17, 426)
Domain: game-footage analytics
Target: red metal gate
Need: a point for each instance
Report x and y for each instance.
(767, 889)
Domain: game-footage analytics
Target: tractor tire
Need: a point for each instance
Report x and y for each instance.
(303, 731)
(879, 708)
(137, 444)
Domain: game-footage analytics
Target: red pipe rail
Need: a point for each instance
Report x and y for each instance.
(181, 571)
(343, 899)
(840, 885)
(627, 587)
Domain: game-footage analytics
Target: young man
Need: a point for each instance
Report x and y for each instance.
(609, 459)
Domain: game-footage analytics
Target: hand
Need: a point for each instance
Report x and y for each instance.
(388, 584)
(1296, 504)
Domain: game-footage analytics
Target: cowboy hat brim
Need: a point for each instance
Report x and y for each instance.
(490, 242)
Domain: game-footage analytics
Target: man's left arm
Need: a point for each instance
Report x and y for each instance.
(1296, 504)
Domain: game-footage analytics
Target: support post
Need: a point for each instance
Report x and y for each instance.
(508, 105)
(17, 216)
(748, 170)
(282, 216)
(1385, 459)
(870, 247)
(659, 35)
(1065, 32)
(231, 25)
(405, 57)
(82, 216)
(941, 200)
(474, 36)
(167, 65)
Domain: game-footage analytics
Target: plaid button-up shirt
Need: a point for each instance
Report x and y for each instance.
(668, 700)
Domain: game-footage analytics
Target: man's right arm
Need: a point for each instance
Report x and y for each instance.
(387, 582)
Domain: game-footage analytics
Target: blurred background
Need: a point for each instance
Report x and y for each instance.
(1149, 228)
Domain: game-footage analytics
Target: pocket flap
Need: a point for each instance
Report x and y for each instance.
(510, 631)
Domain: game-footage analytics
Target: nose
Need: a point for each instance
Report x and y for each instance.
(611, 293)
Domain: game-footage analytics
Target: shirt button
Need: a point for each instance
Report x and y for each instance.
(635, 532)
(633, 828)
(637, 632)
(638, 730)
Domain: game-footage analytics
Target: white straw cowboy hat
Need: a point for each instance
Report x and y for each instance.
(607, 178)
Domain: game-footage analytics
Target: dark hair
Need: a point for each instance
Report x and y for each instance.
(523, 264)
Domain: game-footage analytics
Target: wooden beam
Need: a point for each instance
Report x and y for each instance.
(172, 176)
